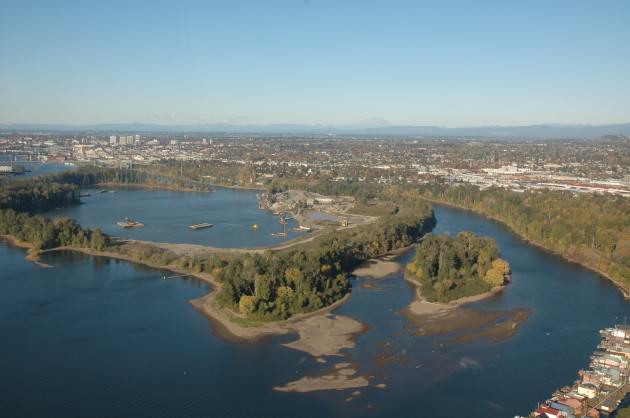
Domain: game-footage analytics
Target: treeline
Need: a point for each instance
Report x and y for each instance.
(44, 233)
(36, 195)
(44, 193)
(591, 229)
(451, 268)
(214, 172)
(88, 176)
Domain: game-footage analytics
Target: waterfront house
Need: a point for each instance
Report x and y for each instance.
(546, 411)
(562, 407)
(574, 403)
(587, 389)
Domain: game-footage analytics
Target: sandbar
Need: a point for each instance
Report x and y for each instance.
(339, 377)
(377, 268)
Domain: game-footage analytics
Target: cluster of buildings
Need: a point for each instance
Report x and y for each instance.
(124, 139)
(602, 387)
(576, 166)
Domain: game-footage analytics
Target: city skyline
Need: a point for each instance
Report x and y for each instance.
(314, 62)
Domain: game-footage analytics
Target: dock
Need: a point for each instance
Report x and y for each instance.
(602, 387)
(200, 226)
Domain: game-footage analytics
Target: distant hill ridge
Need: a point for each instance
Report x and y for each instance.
(544, 131)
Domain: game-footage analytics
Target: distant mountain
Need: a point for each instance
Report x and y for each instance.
(491, 132)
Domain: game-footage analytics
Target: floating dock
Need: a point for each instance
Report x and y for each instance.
(201, 226)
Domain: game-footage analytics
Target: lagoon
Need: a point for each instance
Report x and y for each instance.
(166, 216)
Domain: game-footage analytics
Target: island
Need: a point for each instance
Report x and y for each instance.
(451, 272)
(452, 268)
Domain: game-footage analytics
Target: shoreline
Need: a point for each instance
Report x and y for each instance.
(421, 306)
(236, 187)
(32, 254)
(225, 326)
(146, 186)
(622, 288)
(223, 320)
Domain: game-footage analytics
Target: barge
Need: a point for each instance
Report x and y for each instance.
(129, 223)
(200, 226)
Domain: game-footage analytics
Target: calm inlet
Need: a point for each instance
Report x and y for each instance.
(166, 216)
(98, 337)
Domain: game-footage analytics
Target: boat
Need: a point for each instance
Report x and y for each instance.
(303, 228)
(255, 227)
(201, 226)
(283, 221)
(129, 223)
(102, 191)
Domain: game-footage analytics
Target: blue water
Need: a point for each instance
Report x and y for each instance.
(97, 337)
(167, 215)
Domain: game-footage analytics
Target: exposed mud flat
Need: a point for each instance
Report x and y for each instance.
(340, 377)
(471, 323)
(326, 335)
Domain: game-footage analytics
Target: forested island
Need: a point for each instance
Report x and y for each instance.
(450, 268)
(590, 229)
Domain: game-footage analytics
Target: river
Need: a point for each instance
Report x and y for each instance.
(35, 168)
(98, 337)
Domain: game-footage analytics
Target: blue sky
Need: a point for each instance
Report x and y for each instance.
(447, 63)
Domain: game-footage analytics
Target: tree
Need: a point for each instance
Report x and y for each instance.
(98, 241)
(247, 304)
(499, 273)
